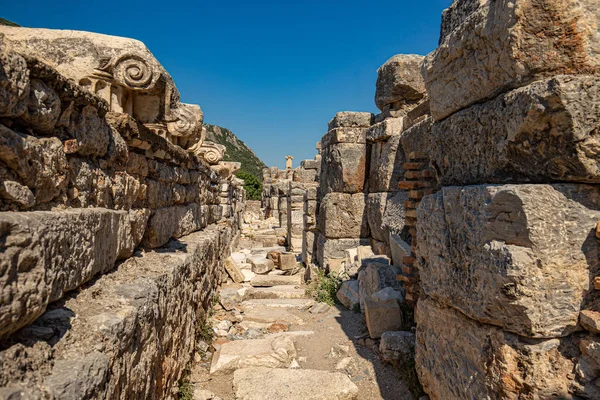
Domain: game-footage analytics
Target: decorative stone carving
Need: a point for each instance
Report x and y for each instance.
(210, 151)
(288, 162)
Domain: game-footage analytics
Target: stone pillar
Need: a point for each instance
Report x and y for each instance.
(288, 162)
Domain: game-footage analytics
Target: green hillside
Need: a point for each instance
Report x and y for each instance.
(237, 150)
(7, 22)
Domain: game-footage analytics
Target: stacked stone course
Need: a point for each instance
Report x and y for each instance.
(99, 159)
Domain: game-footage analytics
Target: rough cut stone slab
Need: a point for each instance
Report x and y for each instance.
(346, 168)
(375, 210)
(174, 222)
(270, 315)
(233, 270)
(260, 264)
(275, 292)
(347, 294)
(398, 347)
(382, 316)
(488, 47)
(515, 256)
(275, 280)
(278, 303)
(351, 119)
(483, 362)
(386, 165)
(342, 215)
(292, 384)
(538, 133)
(399, 82)
(399, 249)
(44, 254)
(374, 277)
(93, 347)
(270, 352)
(288, 261)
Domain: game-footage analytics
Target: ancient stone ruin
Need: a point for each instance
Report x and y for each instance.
(462, 221)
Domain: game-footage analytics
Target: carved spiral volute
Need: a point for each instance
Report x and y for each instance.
(135, 72)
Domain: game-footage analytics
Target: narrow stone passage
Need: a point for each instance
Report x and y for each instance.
(272, 341)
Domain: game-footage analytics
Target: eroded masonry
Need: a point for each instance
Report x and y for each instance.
(100, 163)
(473, 197)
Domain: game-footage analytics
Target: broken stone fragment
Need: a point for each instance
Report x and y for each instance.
(14, 84)
(382, 314)
(590, 320)
(348, 294)
(233, 270)
(400, 85)
(260, 265)
(351, 119)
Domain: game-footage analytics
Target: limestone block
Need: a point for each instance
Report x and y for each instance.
(288, 261)
(399, 82)
(351, 119)
(310, 164)
(515, 256)
(375, 209)
(346, 168)
(344, 136)
(14, 84)
(335, 248)
(43, 107)
(45, 254)
(174, 222)
(399, 249)
(382, 316)
(490, 47)
(308, 246)
(386, 165)
(394, 215)
(260, 264)
(342, 215)
(398, 347)
(40, 163)
(292, 384)
(538, 133)
(347, 294)
(234, 271)
(271, 352)
(305, 175)
(481, 361)
(382, 131)
(375, 276)
(275, 280)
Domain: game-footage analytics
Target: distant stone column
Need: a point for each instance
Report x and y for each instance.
(288, 162)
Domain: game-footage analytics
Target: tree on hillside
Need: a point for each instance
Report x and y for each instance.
(252, 185)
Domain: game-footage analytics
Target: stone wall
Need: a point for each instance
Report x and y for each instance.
(507, 250)
(115, 218)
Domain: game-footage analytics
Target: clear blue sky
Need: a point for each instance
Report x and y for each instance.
(274, 72)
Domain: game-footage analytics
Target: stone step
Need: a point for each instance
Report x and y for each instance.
(260, 383)
(275, 351)
(279, 303)
(270, 315)
(275, 292)
(88, 346)
(275, 280)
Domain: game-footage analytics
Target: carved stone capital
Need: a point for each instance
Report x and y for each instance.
(209, 151)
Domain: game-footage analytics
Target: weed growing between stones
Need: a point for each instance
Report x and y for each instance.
(324, 288)
(186, 389)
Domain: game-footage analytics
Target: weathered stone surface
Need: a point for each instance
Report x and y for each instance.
(174, 222)
(375, 209)
(382, 314)
(481, 361)
(41, 163)
(394, 216)
(347, 294)
(375, 276)
(515, 256)
(345, 171)
(288, 262)
(398, 347)
(279, 303)
(260, 264)
(275, 280)
(399, 82)
(503, 45)
(351, 119)
(233, 270)
(386, 165)
(275, 292)
(14, 84)
(399, 249)
(93, 349)
(15, 192)
(590, 321)
(292, 384)
(342, 215)
(270, 315)
(538, 133)
(271, 352)
(47, 253)
(43, 107)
